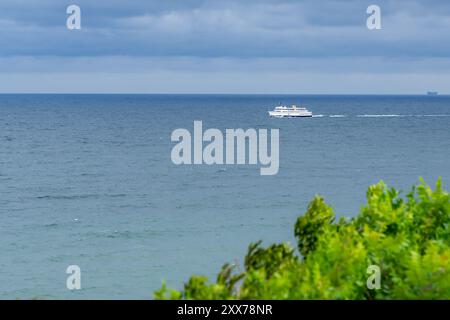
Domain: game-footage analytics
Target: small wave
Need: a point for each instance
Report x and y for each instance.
(81, 196)
(434, 115)
(120, 234)
(124, 234)
(50, 225)
(379, 115)
(73, 197)
(401, 115)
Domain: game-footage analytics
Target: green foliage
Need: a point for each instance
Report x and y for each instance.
(313, 225)
(407, 238)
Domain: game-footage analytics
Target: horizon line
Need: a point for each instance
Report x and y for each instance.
(226, 93)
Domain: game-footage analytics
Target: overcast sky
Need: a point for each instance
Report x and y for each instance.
(225, 46)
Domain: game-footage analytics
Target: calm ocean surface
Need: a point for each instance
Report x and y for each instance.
(88, 180)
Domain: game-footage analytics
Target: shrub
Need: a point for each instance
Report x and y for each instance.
(407, 238)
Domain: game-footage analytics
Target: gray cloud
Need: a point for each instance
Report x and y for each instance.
(267, 28)
(224, 46)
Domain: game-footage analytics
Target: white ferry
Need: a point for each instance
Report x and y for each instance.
(290, 112)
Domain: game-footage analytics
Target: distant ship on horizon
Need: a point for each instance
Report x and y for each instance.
(432, 93)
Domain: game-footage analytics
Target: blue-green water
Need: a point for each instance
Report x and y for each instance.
(88, 180)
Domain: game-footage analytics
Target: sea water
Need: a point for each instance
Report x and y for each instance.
(88, 180)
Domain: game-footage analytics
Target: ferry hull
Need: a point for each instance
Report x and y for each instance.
(278, 115)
